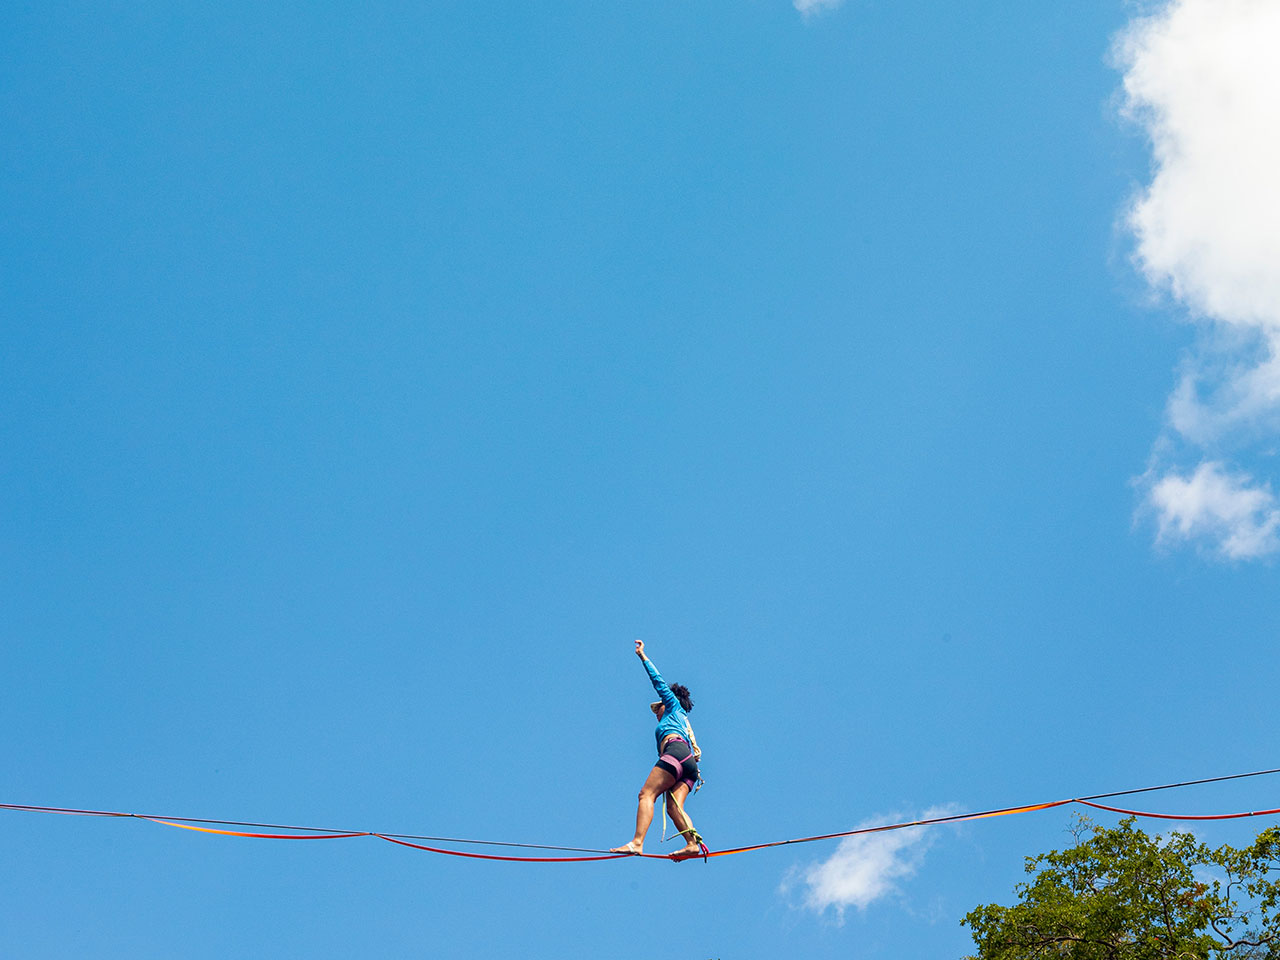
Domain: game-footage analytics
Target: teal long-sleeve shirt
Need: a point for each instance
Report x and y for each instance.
(674, 719)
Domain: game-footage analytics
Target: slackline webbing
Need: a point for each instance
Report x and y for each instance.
(293, 832)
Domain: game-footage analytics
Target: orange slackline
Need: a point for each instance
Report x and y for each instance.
(956, 818)
(405, 840)
(257, 836)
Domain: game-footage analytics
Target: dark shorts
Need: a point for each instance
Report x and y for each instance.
(677, 760)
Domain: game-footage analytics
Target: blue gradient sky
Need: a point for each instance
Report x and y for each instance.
(371, 377)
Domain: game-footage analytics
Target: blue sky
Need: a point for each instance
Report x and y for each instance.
(371, 378)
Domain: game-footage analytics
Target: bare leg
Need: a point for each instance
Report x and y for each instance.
(675, 810)
(659, 782)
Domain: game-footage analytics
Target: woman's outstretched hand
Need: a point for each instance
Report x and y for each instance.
(640, 649)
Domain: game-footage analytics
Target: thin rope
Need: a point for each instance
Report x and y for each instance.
(1169, 816)
(1173, 786)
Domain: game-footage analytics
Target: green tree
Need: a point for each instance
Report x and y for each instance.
(1119, 894)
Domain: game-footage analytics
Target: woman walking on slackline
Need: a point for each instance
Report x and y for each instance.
(676, 772)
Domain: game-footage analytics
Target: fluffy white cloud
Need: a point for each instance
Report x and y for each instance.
(1231, 511)
(864, 868)
(1202, 79)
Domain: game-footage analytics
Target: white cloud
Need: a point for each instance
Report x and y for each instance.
(1202, 80)
(1228, 510)
(810, 7)
(864, 868)
(1230, 392)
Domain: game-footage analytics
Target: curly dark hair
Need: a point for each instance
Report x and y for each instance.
(683, 695)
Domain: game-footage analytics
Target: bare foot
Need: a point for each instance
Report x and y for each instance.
(631, 847)
(691, 849)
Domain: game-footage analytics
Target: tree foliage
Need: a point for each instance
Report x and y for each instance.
(1120, 894)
